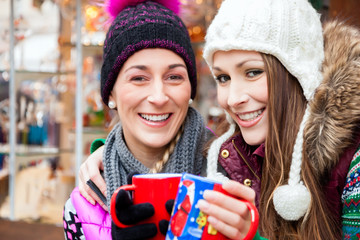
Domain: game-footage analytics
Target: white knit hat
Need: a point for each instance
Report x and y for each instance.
(291, 31)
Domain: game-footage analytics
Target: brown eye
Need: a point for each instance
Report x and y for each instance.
(254, 73)
(222, 78)
(138, 78)
(175, 77)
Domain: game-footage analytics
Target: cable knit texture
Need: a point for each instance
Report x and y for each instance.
(145, 25)
(287, 29)
(291, 201)
(187, 155)
(213, 153)
(291, 31)
(214, 150)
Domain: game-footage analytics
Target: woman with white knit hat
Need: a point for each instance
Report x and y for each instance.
(291, 93)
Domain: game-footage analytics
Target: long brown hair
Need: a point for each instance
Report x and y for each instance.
(286, 107)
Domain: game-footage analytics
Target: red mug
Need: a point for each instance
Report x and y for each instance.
(188, 222)
(156, 189)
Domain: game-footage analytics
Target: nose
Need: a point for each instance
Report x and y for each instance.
(237, 94)
(158, 95)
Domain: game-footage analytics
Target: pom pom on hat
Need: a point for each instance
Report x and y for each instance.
(140, 24)
(114, 7)
(291, 201)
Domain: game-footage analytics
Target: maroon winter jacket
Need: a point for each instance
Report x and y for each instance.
(243, 163)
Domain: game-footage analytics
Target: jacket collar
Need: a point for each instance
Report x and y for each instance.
(335, 110)
(258, 150)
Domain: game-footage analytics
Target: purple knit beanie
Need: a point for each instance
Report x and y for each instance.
(136, 26)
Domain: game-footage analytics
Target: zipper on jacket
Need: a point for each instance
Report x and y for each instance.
(243, 158)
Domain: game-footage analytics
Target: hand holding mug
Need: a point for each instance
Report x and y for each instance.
(146, 190)
(227, 214)
(221, 217)
(132, 215)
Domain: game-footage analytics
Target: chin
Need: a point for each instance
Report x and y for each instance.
(253, 141)
(158, 142)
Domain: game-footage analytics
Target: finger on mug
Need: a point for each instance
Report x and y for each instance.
(230, 217)
(239, 190)
(226, 202)
(229, 231)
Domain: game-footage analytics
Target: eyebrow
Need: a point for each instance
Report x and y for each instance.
(239, 64)
(172, 66)
(143, 67)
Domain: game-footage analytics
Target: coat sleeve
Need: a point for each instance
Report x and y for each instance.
(72, 227)
(351, 200)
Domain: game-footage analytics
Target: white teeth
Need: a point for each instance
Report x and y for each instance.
(250, 116)
(155, 118)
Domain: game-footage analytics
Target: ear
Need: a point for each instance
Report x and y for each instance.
(112, 103)
(111, 98)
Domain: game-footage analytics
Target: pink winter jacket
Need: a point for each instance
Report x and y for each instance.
(82, 220)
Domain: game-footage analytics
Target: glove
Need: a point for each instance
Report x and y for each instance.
(164, 224)
(130, 214)
(137, 232)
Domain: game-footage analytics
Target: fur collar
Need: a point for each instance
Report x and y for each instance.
(335, 110)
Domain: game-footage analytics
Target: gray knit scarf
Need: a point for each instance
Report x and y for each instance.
(187, 155)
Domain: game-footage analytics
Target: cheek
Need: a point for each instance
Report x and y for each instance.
(180, 94)
(117, 90)
(128, 93)
(263, 95)
(183, 92)
(259, 91)
(222, 97)
(263, 91)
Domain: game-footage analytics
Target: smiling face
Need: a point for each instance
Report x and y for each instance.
(152, 94)
(242, 91)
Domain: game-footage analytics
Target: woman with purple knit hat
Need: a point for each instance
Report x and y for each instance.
(149, 77)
